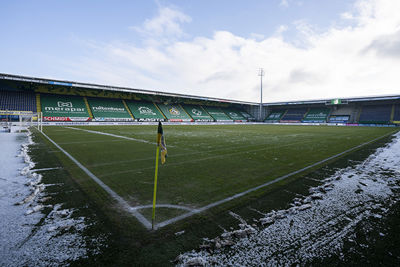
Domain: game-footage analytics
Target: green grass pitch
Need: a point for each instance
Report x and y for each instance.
(206, 163)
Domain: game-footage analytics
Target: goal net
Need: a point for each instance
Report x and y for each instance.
(16, 121)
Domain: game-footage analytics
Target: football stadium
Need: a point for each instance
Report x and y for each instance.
(200, 133)
(222, 157)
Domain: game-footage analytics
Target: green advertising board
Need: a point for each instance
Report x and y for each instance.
(144, 111)
(316, 115)
(275, 115)
(63, 108)
(174, 112)
(197, 112)
(217, 113)
(108, 110)
(234, 114)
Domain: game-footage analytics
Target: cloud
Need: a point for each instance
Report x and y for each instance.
(386, 45)
(346, 15)
(357, 59)
(167, 24)
(257, 36)
(281, 29)
(297, 76)
(284, 3)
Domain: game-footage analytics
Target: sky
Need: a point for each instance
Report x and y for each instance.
(309, 49)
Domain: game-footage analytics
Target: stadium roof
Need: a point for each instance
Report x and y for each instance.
(343, 100)
(53, 82)
(19, 78)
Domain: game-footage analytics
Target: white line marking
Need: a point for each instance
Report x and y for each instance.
(114, 195)
(89, 142)
(147, 224)
(114, 135)
(183, 216)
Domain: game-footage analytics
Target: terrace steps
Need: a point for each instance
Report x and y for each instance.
(88, 107)
(38, 106)
(127, 109)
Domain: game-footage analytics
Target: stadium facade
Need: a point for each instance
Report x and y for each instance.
(66, 102)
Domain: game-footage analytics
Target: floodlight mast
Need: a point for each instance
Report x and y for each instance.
(261, 73)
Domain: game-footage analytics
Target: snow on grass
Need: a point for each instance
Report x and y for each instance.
(315, 226)
(27, 235)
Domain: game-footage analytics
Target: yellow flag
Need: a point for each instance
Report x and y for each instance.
(161, 143)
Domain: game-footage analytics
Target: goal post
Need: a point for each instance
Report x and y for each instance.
(27, 120)
(20, 120)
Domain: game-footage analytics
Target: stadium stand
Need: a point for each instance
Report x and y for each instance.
(275, 115)
(174, 112)
(294, 115)
(247, 116)
(144, 111)
(63, 108)
(396, 114)
(317, 115)
(17, 101)
(341, 114)
(74, 101)
(376, 114)
(108, 110)
(234, 114)
(339, 118)
(217, 113)
(67, 90)
(197, 112)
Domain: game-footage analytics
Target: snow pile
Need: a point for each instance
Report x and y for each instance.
(315, 226)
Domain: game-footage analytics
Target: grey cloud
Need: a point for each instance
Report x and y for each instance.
(302, 76)
(221, 75)
(386, 45)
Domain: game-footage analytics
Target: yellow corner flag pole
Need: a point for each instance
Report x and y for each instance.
(155, 189)
(159, 143)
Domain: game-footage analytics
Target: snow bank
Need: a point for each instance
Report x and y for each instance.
(27, 236)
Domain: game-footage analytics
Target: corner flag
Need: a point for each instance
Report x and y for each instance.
(160, 143)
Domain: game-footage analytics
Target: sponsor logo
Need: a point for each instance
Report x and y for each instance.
(113, 119)
(174, 111)
(149, 119)
(64, 107)
(65, 119)
(317, 115)
(197, 112)
(56, 118)
(146, 111)
(108, 109)
(275, 116)
(64, 104)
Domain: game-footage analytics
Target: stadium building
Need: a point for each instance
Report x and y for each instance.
(66, 102)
